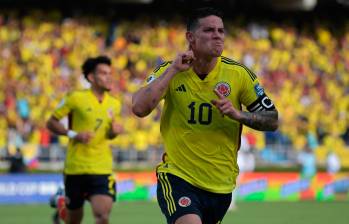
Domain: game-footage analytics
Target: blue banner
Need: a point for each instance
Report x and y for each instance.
(28, 188)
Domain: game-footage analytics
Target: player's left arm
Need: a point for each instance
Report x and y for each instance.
(261, 112)
(263, 118)
(116, 127)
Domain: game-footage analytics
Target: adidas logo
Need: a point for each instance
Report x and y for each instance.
(181, 88)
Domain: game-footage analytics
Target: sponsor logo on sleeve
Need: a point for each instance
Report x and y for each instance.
(150, 79)
(259, 90)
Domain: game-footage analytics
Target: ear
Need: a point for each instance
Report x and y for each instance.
(90, 77)
(190, 37)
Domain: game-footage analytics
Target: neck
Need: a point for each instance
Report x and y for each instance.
(98, 93)
(202, 66)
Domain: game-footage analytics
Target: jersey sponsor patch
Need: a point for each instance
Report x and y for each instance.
(184, 201)
(263, 103)
(150, 79)
(223, 88)
(259, 90)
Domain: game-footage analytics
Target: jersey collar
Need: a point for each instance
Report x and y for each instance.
(211, 76)
(95, 97)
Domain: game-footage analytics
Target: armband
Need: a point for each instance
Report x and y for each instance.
(263, 103)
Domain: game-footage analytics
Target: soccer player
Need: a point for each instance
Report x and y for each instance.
(201, 122)
(92, 117)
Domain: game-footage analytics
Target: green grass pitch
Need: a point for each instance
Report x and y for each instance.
(149, 213)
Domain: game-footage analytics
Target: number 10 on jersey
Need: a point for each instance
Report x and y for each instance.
(203, 108)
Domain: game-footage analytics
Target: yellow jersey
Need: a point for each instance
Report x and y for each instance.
(86, 113)
(200, 144)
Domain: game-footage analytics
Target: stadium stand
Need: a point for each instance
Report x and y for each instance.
(304, 63)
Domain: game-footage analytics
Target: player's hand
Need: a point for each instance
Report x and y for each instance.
(84, 137)
(116, 128)
(225, 106)
(183, 61)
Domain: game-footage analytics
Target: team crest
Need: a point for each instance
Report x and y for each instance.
(223, 88)
(184, 201)
(110, 112)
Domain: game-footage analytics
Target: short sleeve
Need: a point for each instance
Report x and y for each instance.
(117, 106)
(157, 73)
(253, 95)
(64, 107)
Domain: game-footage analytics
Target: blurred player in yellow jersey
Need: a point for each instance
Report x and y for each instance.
(92, 117)
(201, 122)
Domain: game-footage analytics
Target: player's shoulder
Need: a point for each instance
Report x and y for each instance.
(78, 93)
(233, 65)
(160, 68)
(113, 98)
(114, 101)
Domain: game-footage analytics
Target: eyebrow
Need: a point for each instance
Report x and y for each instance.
(212, 27)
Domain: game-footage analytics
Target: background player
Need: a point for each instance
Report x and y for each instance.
(88, 166)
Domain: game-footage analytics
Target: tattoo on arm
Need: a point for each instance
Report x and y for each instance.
(262, 121)
(149, 90)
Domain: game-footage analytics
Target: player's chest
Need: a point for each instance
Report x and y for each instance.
(92, 110)
(184, 92)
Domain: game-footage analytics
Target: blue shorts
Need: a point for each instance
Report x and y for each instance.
(176, 198)
(78, 188)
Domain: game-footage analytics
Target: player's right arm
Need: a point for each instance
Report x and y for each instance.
(148, 97)
(56, 127)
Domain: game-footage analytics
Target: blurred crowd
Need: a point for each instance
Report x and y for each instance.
(305, 70)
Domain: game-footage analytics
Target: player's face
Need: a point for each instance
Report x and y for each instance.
(208, 38)
(103, 77)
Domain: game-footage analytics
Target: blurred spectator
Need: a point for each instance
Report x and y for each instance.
(333, 163)
(17, 162)
(307, 160)
(246, 158)
(305, 71)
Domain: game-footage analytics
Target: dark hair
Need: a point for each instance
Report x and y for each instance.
(199, 13)
(90, 64)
